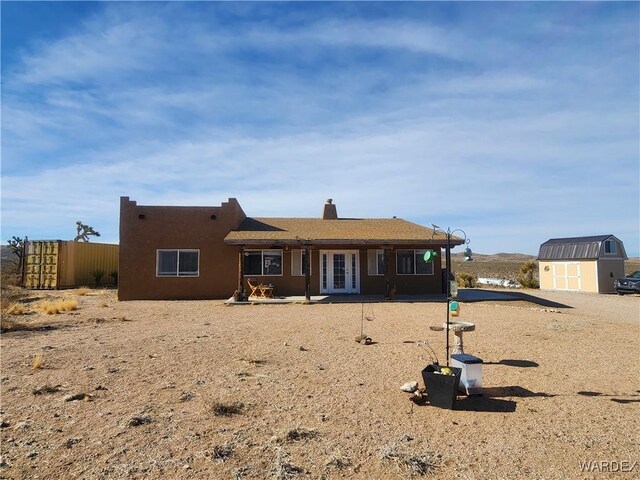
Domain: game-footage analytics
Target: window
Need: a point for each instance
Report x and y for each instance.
(375, 261)
(610, 247)
(263, 262)
(177, 263)
(297, 263)
(411, 262)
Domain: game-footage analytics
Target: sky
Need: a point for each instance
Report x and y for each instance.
(515, 122)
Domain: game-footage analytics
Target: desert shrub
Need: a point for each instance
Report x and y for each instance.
(114, 277)
(98, 276)
(297, 434)
(10, 325)
(16, 309)
(528, 278)
(38, 360)
(466, 280)
(221, 409)
(82, 291)
(53, 308)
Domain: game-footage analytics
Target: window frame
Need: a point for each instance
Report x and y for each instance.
(301, 253)
(415, 269)
(262, 251)
(611, 251)
(377, 273)
(177, 274)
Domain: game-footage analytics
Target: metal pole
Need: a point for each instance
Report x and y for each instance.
(448, 280)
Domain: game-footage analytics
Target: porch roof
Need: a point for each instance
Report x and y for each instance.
(345, 231)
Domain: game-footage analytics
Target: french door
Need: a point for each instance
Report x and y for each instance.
(339, 271)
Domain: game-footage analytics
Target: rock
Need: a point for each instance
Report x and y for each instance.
(366, 341)
(21, 426)
(71, 441)
(302, 349)
(137, 421)
(186, 396)
(286, 344)
(409, 387)
(32, 454)
(76, 396)
(4, 424)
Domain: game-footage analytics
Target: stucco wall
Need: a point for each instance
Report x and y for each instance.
(287, 285)
(177, 227)
(608, 271)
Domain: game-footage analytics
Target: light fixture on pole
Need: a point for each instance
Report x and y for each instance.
(448, 232)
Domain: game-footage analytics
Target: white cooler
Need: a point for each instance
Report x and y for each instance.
(471, 376)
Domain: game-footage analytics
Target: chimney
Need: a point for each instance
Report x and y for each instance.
(330, 212)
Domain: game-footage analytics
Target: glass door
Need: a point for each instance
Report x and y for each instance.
(339, 272)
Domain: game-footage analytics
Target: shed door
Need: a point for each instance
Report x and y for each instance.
(566, 276)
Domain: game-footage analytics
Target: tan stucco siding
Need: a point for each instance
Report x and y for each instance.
(608, 271)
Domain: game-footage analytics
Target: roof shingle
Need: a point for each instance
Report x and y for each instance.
(342, 230)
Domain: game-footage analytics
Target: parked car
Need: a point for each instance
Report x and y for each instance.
(629, 284)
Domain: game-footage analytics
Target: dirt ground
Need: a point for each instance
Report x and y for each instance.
(561, 387)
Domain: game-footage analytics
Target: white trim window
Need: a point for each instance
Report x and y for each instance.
(297, 263)
(177, 262)
(411, 262)
(259, 263)
(610, 247)
(375, 263)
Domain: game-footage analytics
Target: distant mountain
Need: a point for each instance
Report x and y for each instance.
(502, 257)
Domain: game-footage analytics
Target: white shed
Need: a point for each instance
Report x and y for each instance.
(587, 264)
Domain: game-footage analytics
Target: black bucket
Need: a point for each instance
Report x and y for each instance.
(442, 390)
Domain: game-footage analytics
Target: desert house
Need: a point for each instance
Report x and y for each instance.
(586, 264)
(171, 252)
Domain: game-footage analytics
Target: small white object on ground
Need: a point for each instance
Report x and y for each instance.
(409, 387)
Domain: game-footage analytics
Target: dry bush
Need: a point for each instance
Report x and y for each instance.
(297, 434)
(82, 291)
(9, 325)
(466, 280)
(282, 469)
(16, 309)
(45, 389)
(38, 360)
(222, 452)
(221, 409)
(410, 464)
(55, 307)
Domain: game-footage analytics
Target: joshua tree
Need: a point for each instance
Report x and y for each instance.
(16, 246)
(528, 269)
(83, 232)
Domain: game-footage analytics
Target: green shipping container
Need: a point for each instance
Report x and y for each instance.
(54, 264)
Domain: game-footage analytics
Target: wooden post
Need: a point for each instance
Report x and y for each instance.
(387, 275)
(240, 295)
(307, 273)
(23, 262)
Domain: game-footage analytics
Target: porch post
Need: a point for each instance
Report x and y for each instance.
(387, 275)
(307, 273)
(240, 295)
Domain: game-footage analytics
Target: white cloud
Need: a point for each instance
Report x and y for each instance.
(134, 103)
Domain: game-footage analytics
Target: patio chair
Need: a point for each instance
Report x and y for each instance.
(266, 291)
(255, 289)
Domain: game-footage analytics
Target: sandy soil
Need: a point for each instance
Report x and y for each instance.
(562, 387)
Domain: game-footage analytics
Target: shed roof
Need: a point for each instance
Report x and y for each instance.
(575, 248)
(258, 230)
